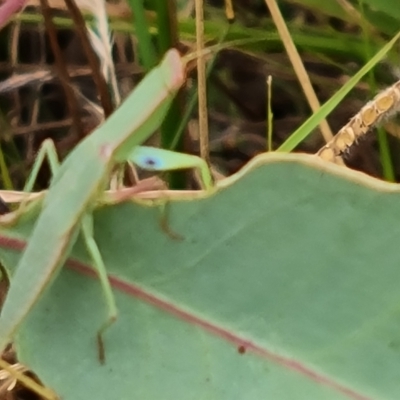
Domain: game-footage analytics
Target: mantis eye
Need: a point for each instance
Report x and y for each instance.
(149, 163)
(152, 159)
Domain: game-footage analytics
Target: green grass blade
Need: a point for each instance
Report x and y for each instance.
(147, 51)
(307, 128)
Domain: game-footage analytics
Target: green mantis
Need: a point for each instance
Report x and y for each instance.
(79, 183)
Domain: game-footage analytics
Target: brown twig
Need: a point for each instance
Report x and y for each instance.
(60, 63)
(93, 61)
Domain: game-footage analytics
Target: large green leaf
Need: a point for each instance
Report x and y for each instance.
(284, 286)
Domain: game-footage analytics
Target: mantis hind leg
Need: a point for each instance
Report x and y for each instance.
(91, 245)
(46, 151)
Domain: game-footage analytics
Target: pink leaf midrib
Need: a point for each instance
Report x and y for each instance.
(241, 343)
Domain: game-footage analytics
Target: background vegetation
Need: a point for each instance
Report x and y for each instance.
(335, 39)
